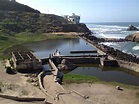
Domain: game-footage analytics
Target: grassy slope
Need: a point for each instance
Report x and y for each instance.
(76, 78)
(8, 41)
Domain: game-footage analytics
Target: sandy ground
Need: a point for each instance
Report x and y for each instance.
(66, 33)
(17, 85)
(105, 94)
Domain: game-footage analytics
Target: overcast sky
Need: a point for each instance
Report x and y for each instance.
(90, 10)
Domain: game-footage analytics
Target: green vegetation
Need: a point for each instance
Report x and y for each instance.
(0, 87)
(1, 84)
(76, 78)
(24, 92)
(31, 37)
(24, 37)
(22, 24)
(137, 94)
(11, 63)
(15, 6)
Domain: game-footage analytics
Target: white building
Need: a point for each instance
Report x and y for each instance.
(75, 19)
(13, 0)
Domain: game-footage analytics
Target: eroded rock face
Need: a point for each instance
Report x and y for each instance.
(75, 28)
(66, 65)
(133, 37)
(132, 28)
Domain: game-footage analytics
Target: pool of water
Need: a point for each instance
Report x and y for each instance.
(109, 74)
(44, 48)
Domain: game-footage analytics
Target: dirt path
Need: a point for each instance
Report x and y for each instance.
(61, 96)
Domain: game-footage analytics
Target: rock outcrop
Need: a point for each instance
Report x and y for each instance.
(75, 28)
(132, 28)
(66, 65)
(133, 37)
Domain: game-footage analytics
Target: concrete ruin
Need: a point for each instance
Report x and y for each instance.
(26, 60)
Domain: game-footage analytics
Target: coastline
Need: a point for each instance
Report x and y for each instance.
(122, 63)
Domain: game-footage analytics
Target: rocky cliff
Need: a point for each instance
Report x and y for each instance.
(132, 28)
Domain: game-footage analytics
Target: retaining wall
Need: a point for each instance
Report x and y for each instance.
(25, 99)
(85, 60)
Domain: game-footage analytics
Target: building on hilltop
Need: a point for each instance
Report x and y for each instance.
(12, 0)
(75, 19)
(26, 60)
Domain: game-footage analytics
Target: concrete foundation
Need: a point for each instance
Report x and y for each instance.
(26, 61)
(108, 63)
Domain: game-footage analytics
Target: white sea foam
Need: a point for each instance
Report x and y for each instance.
(136, 47)
(110, 26)
(108, 31)
(116, 31)
(110, 43)
(116, 36)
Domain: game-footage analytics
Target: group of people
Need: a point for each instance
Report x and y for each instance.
(56, 53)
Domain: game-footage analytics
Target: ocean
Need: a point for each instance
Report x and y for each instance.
(116, 30)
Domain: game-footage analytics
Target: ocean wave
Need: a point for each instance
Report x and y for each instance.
(136, 47)
(110, 44)
(110, 26)
(116, 31)
(107, 29)
(116, 36)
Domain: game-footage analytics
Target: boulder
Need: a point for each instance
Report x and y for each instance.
(66, 65)
(133, 37)
(132, 28)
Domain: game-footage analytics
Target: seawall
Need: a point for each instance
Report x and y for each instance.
(122, 63)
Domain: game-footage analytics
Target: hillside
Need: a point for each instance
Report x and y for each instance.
(17, 18)
(13, 22)
(20, 24)
(12, 5)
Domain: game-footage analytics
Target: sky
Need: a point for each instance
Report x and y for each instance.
(90, 10)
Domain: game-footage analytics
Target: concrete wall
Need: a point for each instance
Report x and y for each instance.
(25, 99)
(84, 60)
(106, 62)
(75, 60)
(26, 61)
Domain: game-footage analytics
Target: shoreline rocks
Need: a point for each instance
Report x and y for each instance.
(117, 54)
(133, 37)
(132, 28)
(66, 65)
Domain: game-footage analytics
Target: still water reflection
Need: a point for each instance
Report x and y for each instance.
(109, 74)
(44, 48)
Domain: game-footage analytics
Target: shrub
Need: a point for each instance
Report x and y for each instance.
(10, 71)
